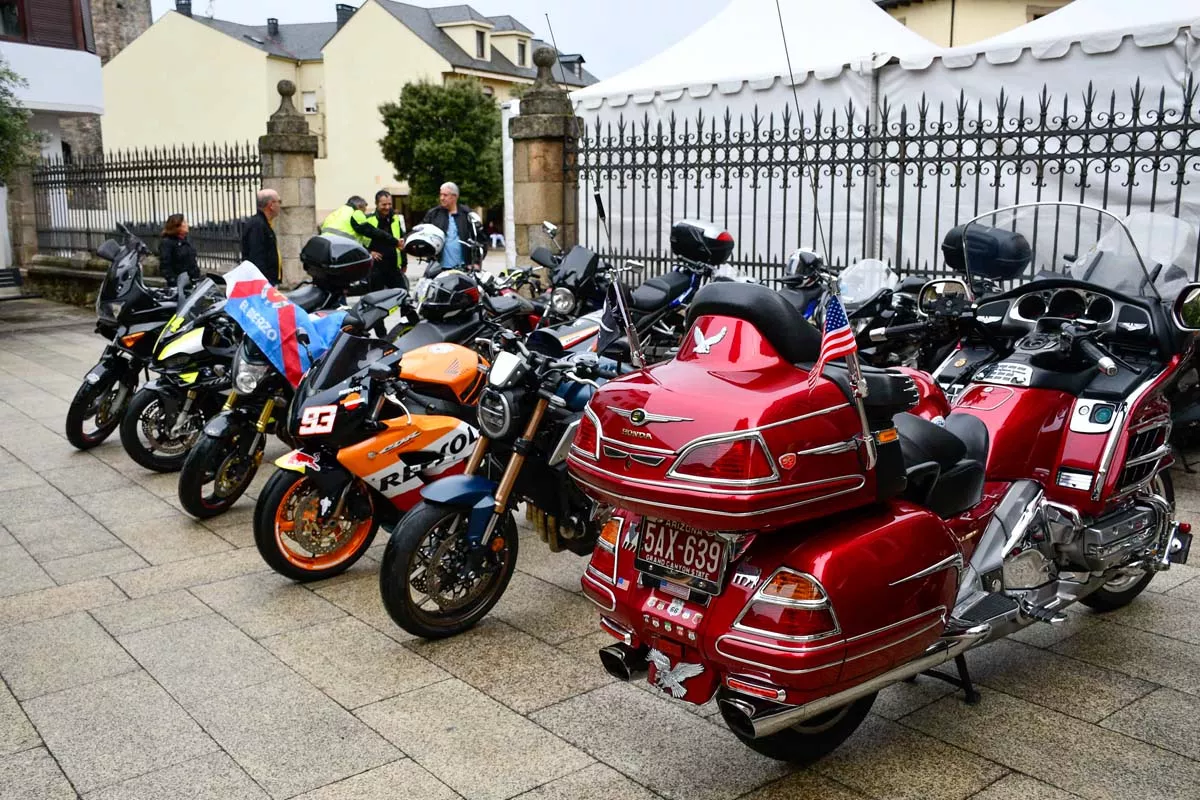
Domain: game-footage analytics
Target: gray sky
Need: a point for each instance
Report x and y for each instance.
(613, 35)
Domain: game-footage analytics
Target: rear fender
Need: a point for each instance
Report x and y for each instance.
(467, 492)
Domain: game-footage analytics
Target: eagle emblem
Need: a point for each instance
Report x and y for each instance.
(671, 680)
(704, 346)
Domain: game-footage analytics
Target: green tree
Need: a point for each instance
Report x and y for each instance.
(18, 143)
(445, 133)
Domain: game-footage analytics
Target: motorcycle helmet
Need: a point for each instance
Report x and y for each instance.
(425, 242)
(802, 269)
(449, 296)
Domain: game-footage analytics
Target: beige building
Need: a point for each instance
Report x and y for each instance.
(191, 80)
(952, 23)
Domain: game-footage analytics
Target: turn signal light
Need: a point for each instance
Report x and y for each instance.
(737, 460)
(772, 618)
(610, 535)
(604, 555)
(131, 339)
(792, 586)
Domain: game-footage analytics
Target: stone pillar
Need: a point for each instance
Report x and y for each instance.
(22, 218)
(541, 190)
(289, 151)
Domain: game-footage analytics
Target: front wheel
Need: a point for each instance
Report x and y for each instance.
(296, 543)
(808, 741)
(434, 584)
(217, 472)
(149, 435)
(96, 411)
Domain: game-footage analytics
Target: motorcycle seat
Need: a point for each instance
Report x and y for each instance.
(309, 297)
(944, 465)
(507, 305)
(888, 393)
(657, 292)
(777, 320)
(427, 332)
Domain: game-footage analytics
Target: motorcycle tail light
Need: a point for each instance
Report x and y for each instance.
(738, 461)
(611, 534)
(790, 621)
(794, 587)
(587, 438)
(604, 557)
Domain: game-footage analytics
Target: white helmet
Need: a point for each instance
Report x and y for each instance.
(425, 242)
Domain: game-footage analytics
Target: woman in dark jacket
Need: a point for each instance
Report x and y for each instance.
(176, 256)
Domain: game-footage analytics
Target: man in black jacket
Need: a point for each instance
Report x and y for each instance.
(259, 245)
(463, 234)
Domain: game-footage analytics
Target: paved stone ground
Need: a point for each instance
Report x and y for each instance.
(145, 655)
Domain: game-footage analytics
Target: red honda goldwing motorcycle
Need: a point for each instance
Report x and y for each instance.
(793, 549)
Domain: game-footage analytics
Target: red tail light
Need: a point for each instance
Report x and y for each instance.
(736, 461)
(789, 605)
(604, 556)
(587, 438)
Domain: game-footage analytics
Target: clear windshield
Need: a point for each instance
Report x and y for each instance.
(1144, 255)
(207, 296)
(121, 277)
(347, 356)
(863, 280)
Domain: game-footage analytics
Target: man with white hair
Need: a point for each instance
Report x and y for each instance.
(259, 245)
(466, 240)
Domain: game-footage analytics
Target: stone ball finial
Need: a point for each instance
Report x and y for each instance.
(286, 88)
(545, 56)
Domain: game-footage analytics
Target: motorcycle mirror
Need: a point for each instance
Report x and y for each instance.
(1186, 310)
(634, 266)
(550, 228)
(379, 372)
(934, 291)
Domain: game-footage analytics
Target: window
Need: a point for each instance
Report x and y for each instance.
(480, 43)
(10, 20)
(49, 23)
(310, 102)
(489, 91)
(520, 54)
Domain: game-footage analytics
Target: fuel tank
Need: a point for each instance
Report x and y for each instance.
(1025, 428)
(444, 370)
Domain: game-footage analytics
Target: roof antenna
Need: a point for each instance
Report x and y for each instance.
(561, 73)
(212, 9)
(812, 178)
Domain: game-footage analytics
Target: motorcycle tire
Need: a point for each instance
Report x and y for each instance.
(1120, 592)
(131, 440)
(394, 584)
(84, 407)
(811, 740)
(200, 468)
(270, 519)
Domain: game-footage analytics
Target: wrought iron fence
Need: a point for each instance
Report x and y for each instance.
(79, 202)
(852, 183)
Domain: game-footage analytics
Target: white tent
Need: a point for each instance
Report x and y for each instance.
(744, 42)
(1093, 21)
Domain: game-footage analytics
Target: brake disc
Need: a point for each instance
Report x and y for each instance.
(468, 582)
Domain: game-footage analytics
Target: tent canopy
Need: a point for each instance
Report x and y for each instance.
(743, 42)
(1082, 19)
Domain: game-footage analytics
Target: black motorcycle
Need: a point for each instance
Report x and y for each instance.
(450, 558)
(131, 315)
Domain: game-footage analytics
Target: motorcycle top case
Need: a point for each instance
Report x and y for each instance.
(335, 261)
(701, 241)
(727, 436)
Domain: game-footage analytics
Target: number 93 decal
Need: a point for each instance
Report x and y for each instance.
(317, 420)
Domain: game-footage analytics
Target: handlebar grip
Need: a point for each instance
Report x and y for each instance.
(1096, 353)
(607, 374)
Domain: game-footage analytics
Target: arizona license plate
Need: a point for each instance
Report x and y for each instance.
(670, 549)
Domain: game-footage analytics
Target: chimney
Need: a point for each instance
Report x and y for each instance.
(344, 13)
(272, 26)
(184, 7)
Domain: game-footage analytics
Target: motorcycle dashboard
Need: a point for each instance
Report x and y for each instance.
(1017, 312)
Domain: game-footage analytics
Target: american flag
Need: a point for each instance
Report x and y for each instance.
(838, 340)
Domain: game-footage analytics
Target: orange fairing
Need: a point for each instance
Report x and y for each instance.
(450, 365)
(441, 441)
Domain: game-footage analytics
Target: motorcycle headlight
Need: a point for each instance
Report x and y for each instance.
(247, 375)
(495, 413)
(562, 300)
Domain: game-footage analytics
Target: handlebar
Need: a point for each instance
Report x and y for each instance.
(896, 331)
(1095, 353)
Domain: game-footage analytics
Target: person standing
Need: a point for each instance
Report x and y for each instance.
(465, 238)
(391, 264)
(176, 255)
(259, 245)
(350, 220)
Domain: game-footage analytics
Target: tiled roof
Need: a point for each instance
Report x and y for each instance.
(300, 42)
(506, 23)
(461, 13)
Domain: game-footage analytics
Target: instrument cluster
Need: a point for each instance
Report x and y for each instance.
(1068, 303)
(1018, 315)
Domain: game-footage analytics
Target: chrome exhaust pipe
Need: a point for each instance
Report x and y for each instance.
(622, 661)
(755, 719)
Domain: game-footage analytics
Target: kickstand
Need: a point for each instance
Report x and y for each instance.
(962, 680)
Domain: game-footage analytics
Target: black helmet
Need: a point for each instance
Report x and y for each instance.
(803, 269)
(449, 296)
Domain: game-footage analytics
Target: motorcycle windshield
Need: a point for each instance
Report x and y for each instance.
(121, 283)
(577, 268)
(348, 357)
(206, 297)
(863, 280)
(1142, 255)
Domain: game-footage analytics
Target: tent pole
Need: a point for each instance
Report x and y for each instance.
(872, 176)
(953, 8)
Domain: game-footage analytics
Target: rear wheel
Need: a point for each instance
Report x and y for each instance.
(433, 583)
(149, 434)
(1122, 589)
(217, 472)
(292, 539)
(96, 411)
(811, 740)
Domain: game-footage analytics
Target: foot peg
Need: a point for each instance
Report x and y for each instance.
(1043, 614)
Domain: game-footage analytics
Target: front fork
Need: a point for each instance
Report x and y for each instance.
(260, 425)
(512, 471)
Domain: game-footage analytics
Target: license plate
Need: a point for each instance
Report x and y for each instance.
(673, 550)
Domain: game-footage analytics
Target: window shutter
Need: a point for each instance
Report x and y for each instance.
(51, 23)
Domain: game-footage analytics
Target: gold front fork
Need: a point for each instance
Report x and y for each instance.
(477, 455)
(230, 401)
(265, 417)
(518, 458)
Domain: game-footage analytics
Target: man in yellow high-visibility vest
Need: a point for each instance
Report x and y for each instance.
(350, 220)
(391, 264)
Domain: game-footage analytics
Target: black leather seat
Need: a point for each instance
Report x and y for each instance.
(658, 292)
(944, 466)
(427, 332)
(308, 297)
(888, 393)
(507, 305)
(779, 322)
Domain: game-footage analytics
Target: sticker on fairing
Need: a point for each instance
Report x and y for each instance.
(398, 477)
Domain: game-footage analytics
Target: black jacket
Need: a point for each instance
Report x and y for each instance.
(259, 248)
(177, 257)
(468, 232)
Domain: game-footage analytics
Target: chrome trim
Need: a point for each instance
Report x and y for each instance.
(1156, 455)
(1162, 420)
(619, 631)
(718, 490)
(587, 411)
(708, 441)
(612, 579)
(955, 560)
(646, 417)
(740, 660)
(813, 605)
(732, 515)
(564, 444)
(632, 446)
(649, 461)
(889, 645)
(830, 449)
(1114, 436)
(940, 610)
(612, 606)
